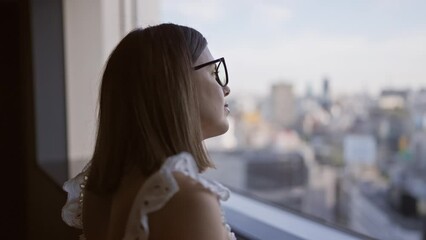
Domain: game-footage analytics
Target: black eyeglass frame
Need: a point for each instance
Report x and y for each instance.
(220, 61)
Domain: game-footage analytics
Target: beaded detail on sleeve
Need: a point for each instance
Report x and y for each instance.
(72, 211)
(153, 195)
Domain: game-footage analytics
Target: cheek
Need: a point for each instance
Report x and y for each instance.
(213, 95)
(207, 92)
(210, 104)
(207, 106)
(210, 95)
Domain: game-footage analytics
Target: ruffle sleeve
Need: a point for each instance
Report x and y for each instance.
(160, 188)
(157, 190)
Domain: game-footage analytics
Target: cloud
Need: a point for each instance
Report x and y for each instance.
(204, 11)
(352, 63)
(267, 40)
(256, 13)
(268, 12)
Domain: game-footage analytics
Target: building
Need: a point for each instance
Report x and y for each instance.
(283, 105)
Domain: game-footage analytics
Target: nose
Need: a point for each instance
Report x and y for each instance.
(226, 90)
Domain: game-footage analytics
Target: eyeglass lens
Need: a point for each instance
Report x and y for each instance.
(221, 73)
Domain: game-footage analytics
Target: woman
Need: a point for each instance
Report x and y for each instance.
(162, 94)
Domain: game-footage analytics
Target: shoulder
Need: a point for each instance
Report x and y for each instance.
(192, 213)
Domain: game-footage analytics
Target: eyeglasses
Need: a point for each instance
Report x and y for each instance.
(220, 70)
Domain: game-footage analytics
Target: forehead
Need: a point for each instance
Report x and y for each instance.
(204, 57)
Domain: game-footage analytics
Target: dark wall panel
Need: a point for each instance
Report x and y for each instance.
(31, 200)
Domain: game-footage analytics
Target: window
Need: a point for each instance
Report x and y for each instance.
(327, 101)
(324, 97)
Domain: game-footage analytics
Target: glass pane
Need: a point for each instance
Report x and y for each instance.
(221, 73)
(328, 107)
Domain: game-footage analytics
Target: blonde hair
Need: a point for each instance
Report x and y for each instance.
(148, 109)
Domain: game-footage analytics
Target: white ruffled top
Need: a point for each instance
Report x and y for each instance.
(157, 190)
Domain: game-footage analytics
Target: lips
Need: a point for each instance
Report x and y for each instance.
(227, 109)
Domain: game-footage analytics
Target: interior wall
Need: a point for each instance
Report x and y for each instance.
(31, 201)
(12, 175)
(83, 59)
(44, 197)
(91, 31)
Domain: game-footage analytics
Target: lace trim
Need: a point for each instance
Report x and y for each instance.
(160, 187)
(72, 213)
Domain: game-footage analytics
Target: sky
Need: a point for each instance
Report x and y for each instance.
(361, 46)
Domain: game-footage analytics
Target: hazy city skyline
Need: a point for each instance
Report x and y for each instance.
(358, 45)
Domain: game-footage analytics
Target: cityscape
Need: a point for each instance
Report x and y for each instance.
(355, 161)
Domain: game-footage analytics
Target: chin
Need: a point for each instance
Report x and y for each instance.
(217, 131)
(224, 129)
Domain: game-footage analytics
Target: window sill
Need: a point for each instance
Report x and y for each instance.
(252, 219)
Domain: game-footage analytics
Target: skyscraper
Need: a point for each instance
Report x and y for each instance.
(283, 105)
(325, 98)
